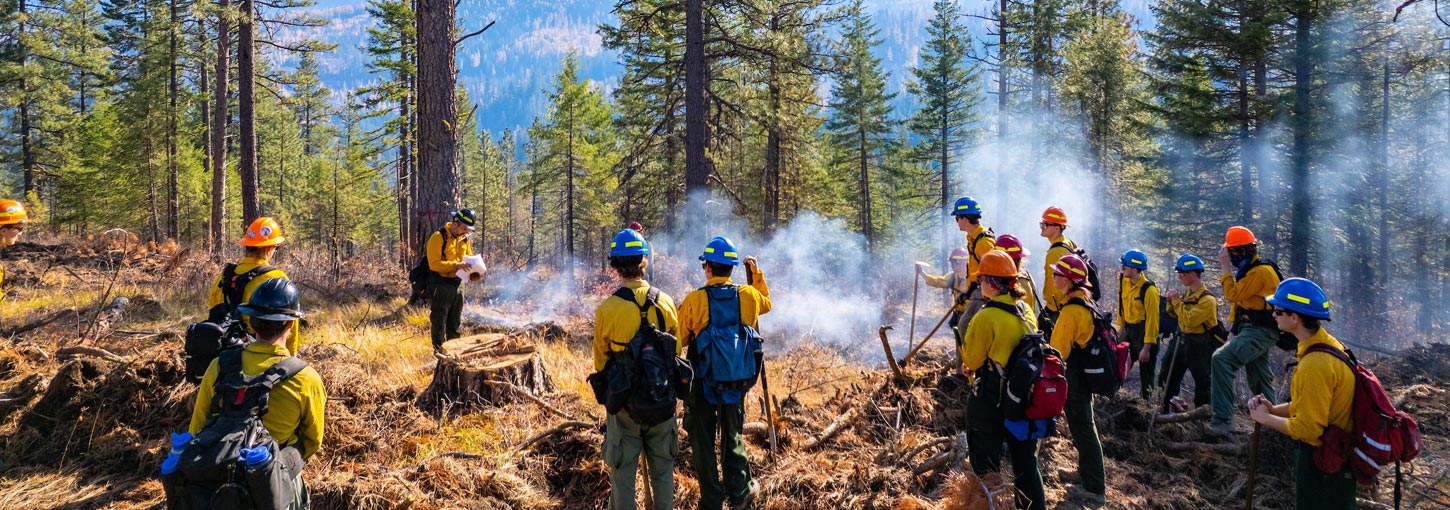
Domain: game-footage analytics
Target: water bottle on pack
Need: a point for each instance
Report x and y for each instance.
(256, 456)
(178, 443)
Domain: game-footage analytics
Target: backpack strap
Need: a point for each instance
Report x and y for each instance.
(1346, 356)
(278, 372)
(1014, 310)
(972, 246)
(651, 300)
(233, 284)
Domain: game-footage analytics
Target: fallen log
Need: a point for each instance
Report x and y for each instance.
(756, 429)
(488, 369)
(836, 426)
(515, 390)
(37, 324)
(558, 429)
(79, 350)
(1199, 413)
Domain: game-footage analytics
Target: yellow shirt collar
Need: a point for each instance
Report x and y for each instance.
(253, 260)
(1319, 337)
(718, 280)
(268, 348)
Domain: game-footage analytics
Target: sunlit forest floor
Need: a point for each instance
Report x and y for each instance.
(88, 395)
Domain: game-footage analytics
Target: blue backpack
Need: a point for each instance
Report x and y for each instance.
(727, 353)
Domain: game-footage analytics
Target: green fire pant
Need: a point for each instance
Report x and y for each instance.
(446, 310)
(705, 421)
(985, 437)
(623, 441)
(1192, 354)
(1247, 349)
(1079, 412)
(1317, 490)
(1135, 336)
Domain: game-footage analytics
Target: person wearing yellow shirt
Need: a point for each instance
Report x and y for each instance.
(1012, 246)
(294, 412)
(710, 413)
(991, 337)
(957, 281)
(1246, 279)
(1073, 330)
(1197, 312)
(1054, 222)
(445, 250)
(980, 241)
(1138, 316)
(12, 224)
(260, 243)
(615, 323)
(1321, 394)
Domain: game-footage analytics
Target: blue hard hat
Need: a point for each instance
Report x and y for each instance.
(1302, 296)
(721, 251)
(967, 206)
(1188, 262)
(273, 300)
(1135, 259)
(628, 242)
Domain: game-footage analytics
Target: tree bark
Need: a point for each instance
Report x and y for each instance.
(697, 78)
(405, 175)
(438, 170)
(246, 110)
(27, 154)
(173, 200)
(771, 208)
(1301, 236)
(219, 130)
(864, 186)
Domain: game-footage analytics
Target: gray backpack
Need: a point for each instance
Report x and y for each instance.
(216, 477)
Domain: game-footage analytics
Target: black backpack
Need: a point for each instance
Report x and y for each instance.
(1265, 318)
(1092, 276)
(646, 378)
(1033, 382)
(1104, 360)
(223, 328)
(419, 276)
(213, 474)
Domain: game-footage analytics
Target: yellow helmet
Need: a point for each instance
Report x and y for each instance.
(11, 212)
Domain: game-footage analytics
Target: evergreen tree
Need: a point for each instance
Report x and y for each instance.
(861, 110)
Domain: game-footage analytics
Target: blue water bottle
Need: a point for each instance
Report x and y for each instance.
(256, 456)
(178, 443)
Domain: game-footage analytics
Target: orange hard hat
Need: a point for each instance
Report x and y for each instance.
(1054, 215)
(263, 232)
(1238, 236)
(996, 263)
(11, 212)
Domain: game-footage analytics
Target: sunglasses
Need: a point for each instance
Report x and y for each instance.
(16, 228)
(1278, 312)
(1046, 224)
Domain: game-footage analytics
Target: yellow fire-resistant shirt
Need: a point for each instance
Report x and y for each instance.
(1196, 311)
(993, 334)
(294, 407)
(979, 243)
(616, 321)
(1134, 311)
(957, 284)
(453, 251)
(216, 296)
(695, 309)
(1051, 298)
(1029, 292)
(1074, 326)
(1321, 393)
(1248, 293)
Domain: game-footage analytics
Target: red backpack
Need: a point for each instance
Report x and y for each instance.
(1381, 433)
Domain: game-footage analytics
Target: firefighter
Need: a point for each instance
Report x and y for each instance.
(991, 336)
(446, 249)
(705, 419)
(1138, 316)
(957, 281)
(259, 244)
(1321, 394)
(1197, 312)
(1246, 280)
(980, 241)
(12, 224)
(615, 323)
(1054, 222)
(1073, 329)
(1012, 246)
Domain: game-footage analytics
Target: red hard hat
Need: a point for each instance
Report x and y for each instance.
(1054, 215)
(635, 226)
(960, 254)
(1072, 267)
(1013, 246)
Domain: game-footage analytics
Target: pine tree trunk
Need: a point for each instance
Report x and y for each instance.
(27, 155)
(697, 78)
(1246, 176)
(1301, 236)
(405, 177)
(173, 200)
(219, 131)
(771, 208)
(864, 185)
(438, 169)
(569, 168)
(246, 110)
(944, 159)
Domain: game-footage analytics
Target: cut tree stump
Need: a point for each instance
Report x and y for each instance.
(468, 365)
